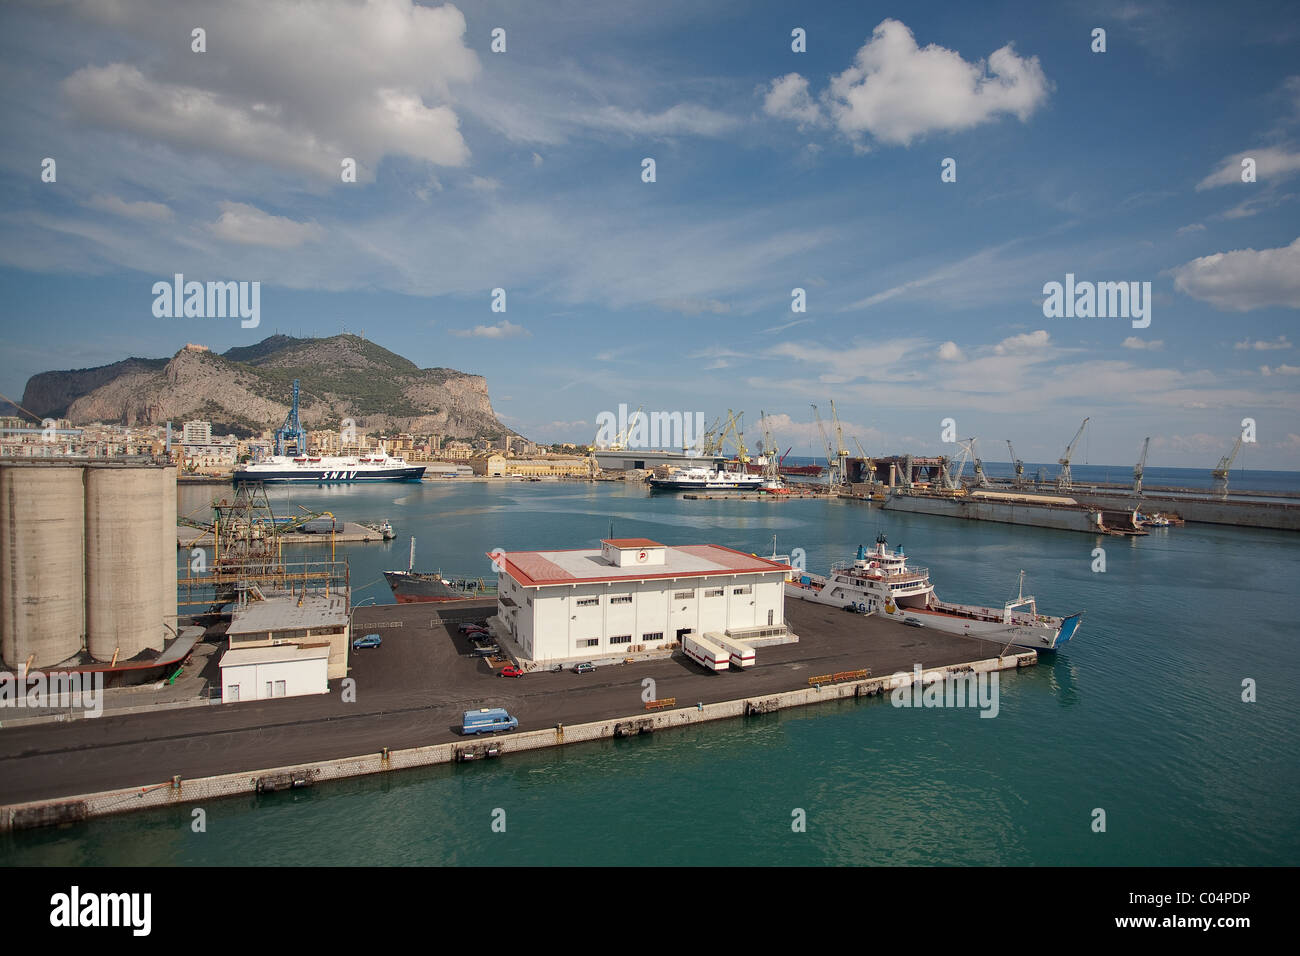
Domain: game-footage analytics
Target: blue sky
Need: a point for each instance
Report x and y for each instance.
(775, 170)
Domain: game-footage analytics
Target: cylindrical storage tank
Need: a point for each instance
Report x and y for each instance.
(169, 555)
(42, 585)
(124, 585)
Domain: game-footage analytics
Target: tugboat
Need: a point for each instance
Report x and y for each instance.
(881, 582)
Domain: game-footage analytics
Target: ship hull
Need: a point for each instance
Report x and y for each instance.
(417, 588)
(321, 476)
(951, 618)
(668, 484)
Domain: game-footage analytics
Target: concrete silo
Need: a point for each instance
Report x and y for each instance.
(42, 585)
(169, 548)
(124, 560)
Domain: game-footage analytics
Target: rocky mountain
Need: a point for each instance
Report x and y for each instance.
(249, 388)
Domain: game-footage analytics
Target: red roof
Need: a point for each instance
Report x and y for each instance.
(629, 543)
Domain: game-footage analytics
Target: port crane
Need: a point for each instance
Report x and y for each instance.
(291, 430)
(1139, 467)
(1064, 482)
(981, 479)
(867, 461)
(1019, 480)
(832, 466)
(841, 453)
(952, 468)
(1220, 474)
(772, 463)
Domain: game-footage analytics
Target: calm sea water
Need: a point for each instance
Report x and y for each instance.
(1141, 716)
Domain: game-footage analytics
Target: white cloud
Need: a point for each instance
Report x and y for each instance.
(1244, 279)
(1020, 344)
(683, 118)
(268, 93)
(1260, 345)
(1279, 370)
(484, 184)
(949, 352)
(1133, 342)
(896, 91)
(788, 98)
(537, 159)
(505, 329)
(146, 211)
(1271, 163)
(240, 222)
(1194, 227)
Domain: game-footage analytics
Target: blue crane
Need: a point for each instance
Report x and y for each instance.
(291, 430)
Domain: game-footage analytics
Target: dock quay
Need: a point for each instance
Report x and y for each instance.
(352, 533)
(409, 697)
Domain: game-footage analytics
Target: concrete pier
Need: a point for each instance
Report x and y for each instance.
(409, 697)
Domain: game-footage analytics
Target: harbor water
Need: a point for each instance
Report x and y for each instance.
(1140, 717)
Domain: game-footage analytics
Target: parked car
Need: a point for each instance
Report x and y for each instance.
(370, 640)
(469, 626)
(510, 671)
(486, 651)
(557, 669)
(913, 622)
(586, 667)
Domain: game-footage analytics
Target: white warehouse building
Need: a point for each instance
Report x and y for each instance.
(634, 595)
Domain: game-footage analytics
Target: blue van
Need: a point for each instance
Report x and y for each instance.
(487, 720)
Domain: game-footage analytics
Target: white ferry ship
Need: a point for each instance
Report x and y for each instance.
(881, 582)
(699, 479)
(330, 469)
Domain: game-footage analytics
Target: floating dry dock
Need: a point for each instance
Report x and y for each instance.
(1042, 511)
(410, 695)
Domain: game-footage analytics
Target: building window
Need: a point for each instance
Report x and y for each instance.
(656, 636)
(281, 688)
(530, 602)
(592, 642)
(715, 592)
(232, 693)
(683, 595)
(588, 602)
(620, 599)
(621, 639)
(747, 589)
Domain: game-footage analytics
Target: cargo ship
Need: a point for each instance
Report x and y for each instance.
(417, 587)
(881, 582)
(330, 469)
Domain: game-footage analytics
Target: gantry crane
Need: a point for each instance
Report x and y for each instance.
(1139, 467)
(1019, 466)
(291, 430)
(951, 469)
(1064, 482)
(1220, 475)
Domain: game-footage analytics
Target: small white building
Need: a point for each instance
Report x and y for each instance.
(284, 645)
(633, 595)
(285, 670)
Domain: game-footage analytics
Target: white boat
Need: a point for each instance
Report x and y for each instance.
(881, 582)
(699, 478)
(330, 468)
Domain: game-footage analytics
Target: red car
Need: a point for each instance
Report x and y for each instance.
(510, 671)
